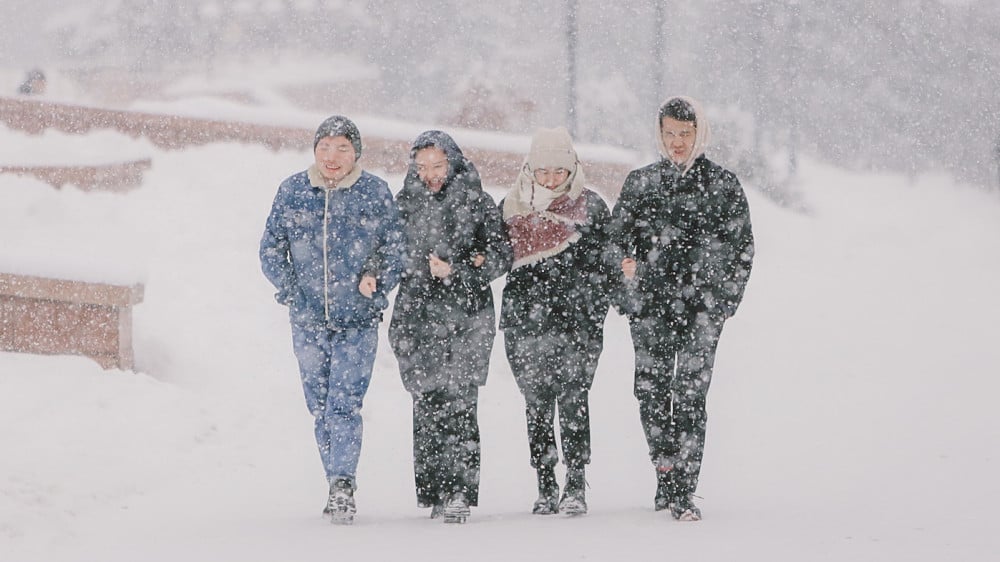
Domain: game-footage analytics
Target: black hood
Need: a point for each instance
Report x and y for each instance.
(458, 165)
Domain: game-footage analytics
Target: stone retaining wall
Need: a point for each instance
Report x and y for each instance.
(117, 177)
(497, 168)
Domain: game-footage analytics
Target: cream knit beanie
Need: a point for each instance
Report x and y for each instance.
(552, 148)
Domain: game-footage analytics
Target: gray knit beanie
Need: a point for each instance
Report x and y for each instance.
(337, 126)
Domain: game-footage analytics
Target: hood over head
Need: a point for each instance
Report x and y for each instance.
(458, 164)
(702, 131)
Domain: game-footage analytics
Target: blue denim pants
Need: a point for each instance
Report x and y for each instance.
(336, 367)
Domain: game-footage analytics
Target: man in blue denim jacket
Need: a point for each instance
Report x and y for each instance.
(333, 248)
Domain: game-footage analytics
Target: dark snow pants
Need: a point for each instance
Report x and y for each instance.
(555, 371)
(442, 373)
(673, 370)
(446, 444)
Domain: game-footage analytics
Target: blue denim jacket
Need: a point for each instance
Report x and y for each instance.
(319, 243)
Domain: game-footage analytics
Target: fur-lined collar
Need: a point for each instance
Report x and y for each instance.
(317, 180)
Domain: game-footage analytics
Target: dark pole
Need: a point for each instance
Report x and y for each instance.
(571, 65)
(996, 152)
(658, 53)
(756, 74)
(793, 79)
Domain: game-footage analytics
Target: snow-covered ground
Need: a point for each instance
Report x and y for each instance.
(852, 414)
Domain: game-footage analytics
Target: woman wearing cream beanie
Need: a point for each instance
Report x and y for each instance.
(554, 305)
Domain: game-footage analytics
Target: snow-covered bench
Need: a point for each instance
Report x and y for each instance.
(57, 316)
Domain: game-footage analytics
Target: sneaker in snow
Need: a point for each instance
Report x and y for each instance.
(573, 505)
(456, 510)
(684, 509)
(340, 507)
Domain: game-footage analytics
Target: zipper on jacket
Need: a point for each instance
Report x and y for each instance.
(326, 263)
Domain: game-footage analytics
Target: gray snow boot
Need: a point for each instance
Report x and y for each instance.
(456, 509)
(340, 507)
(574, 500)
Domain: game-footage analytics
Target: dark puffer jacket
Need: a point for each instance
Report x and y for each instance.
(456, 224)
(691, 237)
(567, 292)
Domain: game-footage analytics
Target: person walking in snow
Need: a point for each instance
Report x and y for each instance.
(443, 322)
(681, 227)
(554, 305)
(333, 248)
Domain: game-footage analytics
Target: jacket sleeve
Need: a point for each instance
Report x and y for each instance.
(738, 236)
(600, 265)
(600, 269)
(492, 242)
(386, 263)
(621, 236)
(621, 229)
(275, 254)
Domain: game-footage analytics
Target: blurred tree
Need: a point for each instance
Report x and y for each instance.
(571, 35)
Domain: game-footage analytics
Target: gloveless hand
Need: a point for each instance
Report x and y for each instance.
(439, 267)
(628, 268)
(368, 286)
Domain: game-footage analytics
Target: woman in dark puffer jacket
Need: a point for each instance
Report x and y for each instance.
(443, 322)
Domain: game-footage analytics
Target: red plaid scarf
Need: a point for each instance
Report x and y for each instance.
(541, 234)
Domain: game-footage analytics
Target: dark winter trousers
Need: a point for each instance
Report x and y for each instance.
(556, 370)
(673, 370)
(446, 444)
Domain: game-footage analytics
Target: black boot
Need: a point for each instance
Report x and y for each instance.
(548, 492)
(574, 500)
(663, 487)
